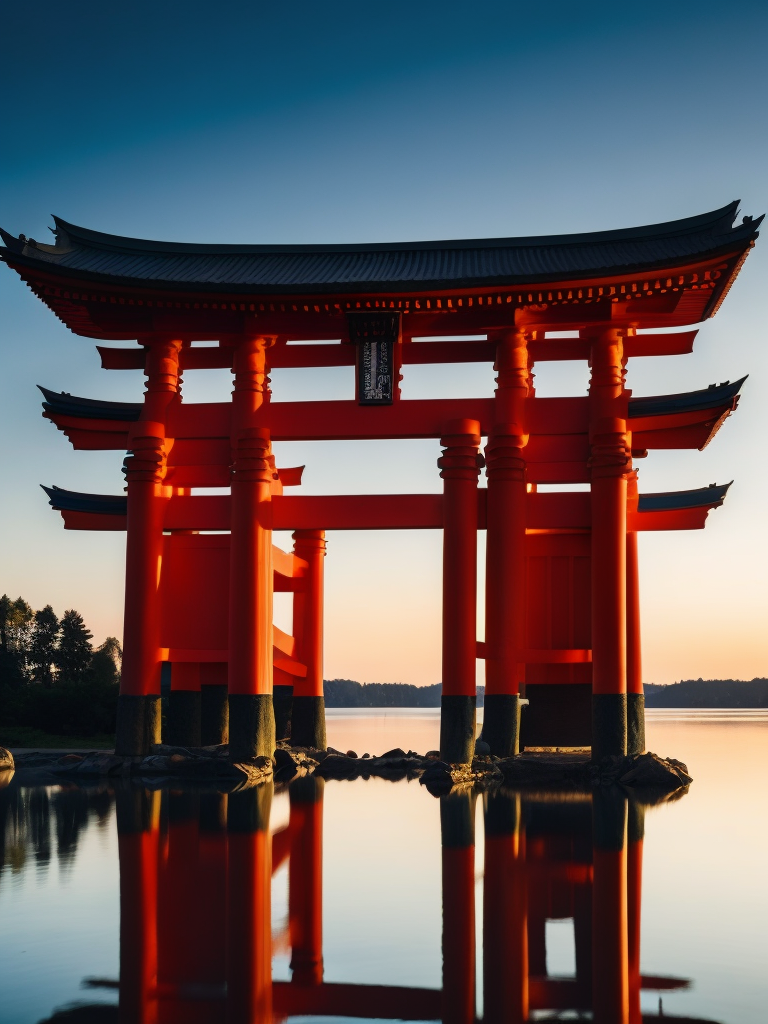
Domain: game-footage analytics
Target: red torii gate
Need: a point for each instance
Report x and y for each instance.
(603, 287)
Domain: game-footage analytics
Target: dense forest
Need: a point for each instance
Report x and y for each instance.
(51, 676)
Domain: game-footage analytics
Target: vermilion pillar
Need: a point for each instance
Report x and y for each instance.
(138, 715)
(305, 880)
(138, 837)
(610, 970)
(249, 929)
(505, 913)
(251, 716)
(609, 462)
(635, 695)
(457, 829)
(459, 467)
(505, 552)
(308, 712)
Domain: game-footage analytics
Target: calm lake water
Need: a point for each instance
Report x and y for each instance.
(360, 900)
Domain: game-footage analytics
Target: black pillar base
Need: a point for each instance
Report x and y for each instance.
(282, 698)
(457, 728)
(609, 724)
(308, 722)
(214, 715)
(183, 720)
(138, 724)
(251, 726)
(501, 723)
(635, 723)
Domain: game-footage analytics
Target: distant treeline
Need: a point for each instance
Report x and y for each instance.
(708, 693)
(51, 677)
(688, 693)
(346, 693)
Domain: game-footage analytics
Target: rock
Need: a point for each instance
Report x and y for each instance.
(351, 753)
(155, 763)
(365, 756)
(433, 754)
(395, 752)
(333, 750)
(283, 758)
(6, 759)
(482, 749)
(650, 770)
(70, 759)
(337, 766)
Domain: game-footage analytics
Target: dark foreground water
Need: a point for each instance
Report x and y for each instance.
(375, 900)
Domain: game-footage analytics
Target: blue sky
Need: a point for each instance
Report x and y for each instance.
(310, 122)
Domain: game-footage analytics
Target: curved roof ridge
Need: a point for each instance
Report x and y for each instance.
(714, 222)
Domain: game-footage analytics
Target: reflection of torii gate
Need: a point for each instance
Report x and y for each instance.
(209, 875)
(604, 288)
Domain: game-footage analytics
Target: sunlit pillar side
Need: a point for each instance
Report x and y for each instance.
(138, 711)
(251, 715)
(610, 463)
(505, 550)
(308, 709)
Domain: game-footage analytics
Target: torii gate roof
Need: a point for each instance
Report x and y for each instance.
(694, 260)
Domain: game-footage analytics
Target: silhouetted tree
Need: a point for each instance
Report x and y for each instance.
(42, 646)
(16, 624)
(106, 661)
(74, 652)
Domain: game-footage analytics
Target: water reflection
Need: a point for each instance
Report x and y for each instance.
(196, 872)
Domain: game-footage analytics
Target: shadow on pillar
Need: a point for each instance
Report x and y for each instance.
(457, 830)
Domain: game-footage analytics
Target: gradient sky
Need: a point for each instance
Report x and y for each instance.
(346, 122)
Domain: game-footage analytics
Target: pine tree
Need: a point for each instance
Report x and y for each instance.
(42, 647)
(74, 651)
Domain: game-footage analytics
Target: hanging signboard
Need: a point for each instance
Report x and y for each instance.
(375, 335)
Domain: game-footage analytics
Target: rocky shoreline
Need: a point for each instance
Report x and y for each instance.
(540, 770)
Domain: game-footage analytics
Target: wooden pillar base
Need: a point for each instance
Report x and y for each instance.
(609, 724)
(183, 720)
(457, 728)
(308, 723)
(138, 724)
(214, 715)
(635, 723)
(251, 726)
(282, 698)
(501, 723)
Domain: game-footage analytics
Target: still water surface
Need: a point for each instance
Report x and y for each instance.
(375, 900)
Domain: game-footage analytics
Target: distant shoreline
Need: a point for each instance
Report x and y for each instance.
(688, 693)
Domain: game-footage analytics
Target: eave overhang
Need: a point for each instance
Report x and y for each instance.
(88, 269)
